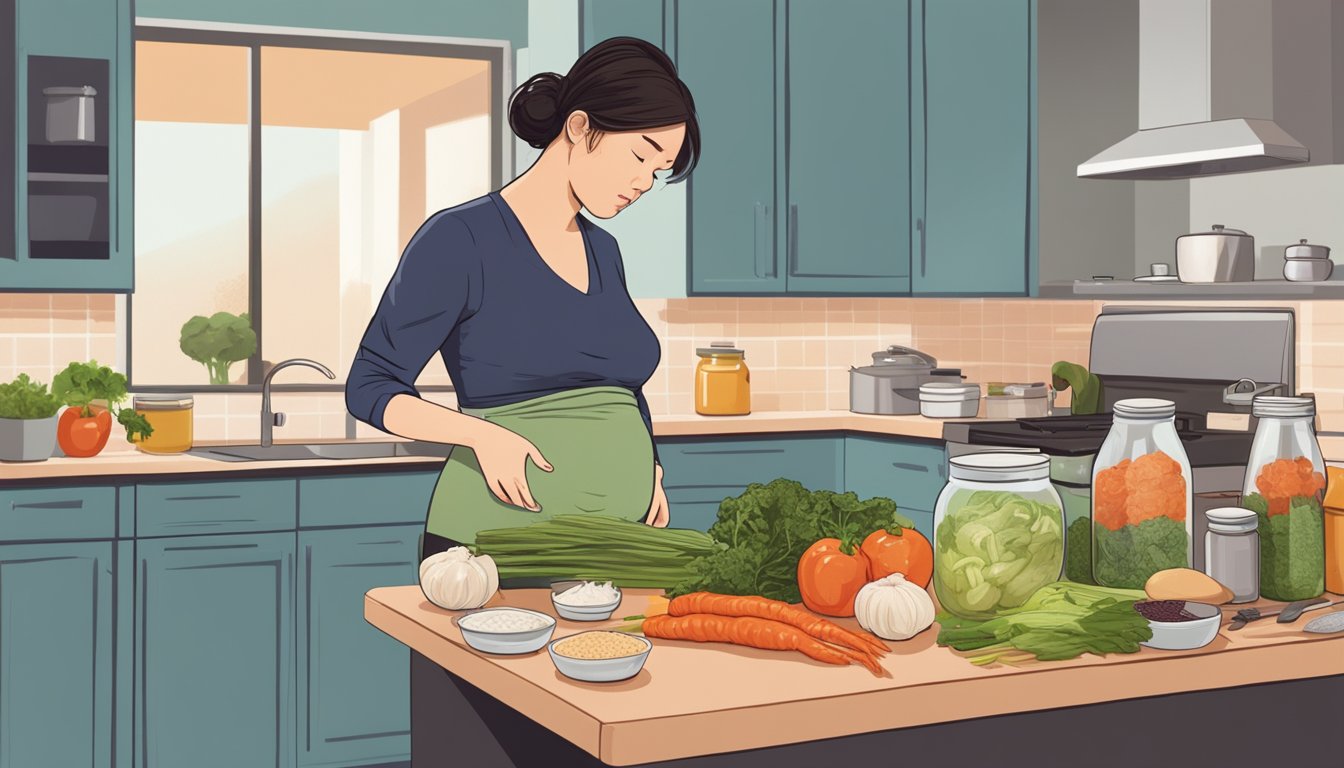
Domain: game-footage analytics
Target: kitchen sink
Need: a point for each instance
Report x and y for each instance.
(293, 451)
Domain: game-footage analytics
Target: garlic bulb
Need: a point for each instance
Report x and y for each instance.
(456, 580)
(893, 608)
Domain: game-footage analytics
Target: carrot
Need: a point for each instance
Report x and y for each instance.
(776, 610)
(747, 631)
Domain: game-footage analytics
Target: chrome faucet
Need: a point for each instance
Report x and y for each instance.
(269, 419)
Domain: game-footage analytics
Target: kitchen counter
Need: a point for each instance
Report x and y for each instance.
(695, 699)
(124, 460)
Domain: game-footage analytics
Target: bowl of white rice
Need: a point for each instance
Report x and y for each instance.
(506, 630)
(585, 600)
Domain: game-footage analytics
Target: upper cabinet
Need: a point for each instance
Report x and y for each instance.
(72, 178)
(858, 147)
(972, 115)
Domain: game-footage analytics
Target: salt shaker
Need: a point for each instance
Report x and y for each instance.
(1232, 551)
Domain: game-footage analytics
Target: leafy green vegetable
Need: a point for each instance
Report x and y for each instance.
(1062, 620)
(767, 529)
(1089, 395)
(1127, 557)
(218, 341)
(994, 550)
(1078, 552)
(82, 383)
(595, 548)
(1292, 548)
(24, 398)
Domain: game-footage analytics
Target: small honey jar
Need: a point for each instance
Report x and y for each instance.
(722, 381)
(171, 418)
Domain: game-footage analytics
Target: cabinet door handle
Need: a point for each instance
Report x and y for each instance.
(923, 255)
(762, 267)
(793, 238)
(909, 467)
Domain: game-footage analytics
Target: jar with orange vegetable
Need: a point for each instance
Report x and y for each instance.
(1142, 496)
(1285, 487)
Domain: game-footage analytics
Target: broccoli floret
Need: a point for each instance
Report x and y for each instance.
(218, 341)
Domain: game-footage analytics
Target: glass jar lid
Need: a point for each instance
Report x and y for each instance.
(161, 402)
(1145, 408)
(720, 349)
(1000, 467)
(1231, 520)
(1267, 405)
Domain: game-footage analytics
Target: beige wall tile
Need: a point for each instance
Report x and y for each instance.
(69, 349)
(792, 401)
(67, 301)
(766, 401)
(815, 401)
(33, 351)
(837, 401)
(814, 353)
(789, 353)
(70, 321)
(842, 353)
(25, 320)
(25, 301)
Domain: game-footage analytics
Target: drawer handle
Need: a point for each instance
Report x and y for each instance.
(203, 498)
(910, 467)
(397, 564)
(741, 452)
(66, 504)
(210, 547)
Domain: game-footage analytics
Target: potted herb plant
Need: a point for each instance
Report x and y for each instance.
(93, 391)
(27, 420)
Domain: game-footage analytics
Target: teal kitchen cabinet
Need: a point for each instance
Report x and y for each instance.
(699, 474)
(72, 199)
(375, 498)
(58, 607)
(847, 224)
(910, 473)
(727, 55)
(214, 654)
(354, 692)
(645, 19)
(972, 146)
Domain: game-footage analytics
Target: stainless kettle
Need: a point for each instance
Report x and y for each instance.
(890, 386)
(1220, 256)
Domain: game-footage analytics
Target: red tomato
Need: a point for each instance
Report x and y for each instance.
(907, 553)
(83, 436)
(829, 579)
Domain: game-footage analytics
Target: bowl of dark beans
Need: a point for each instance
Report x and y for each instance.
(1180, 625)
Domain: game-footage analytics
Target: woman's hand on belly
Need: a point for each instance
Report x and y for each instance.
(658, 511)
(503, 455)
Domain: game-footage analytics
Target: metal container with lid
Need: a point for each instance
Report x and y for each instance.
(998, 533)
(1219, 256)
(1016, 401)
(170, 417)
(890, 386)
(722, 381)
(1305, 262)
(949, 400)
(1232, 551)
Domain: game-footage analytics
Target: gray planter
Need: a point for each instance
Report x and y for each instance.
(27, 439)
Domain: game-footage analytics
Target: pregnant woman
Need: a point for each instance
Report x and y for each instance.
(525, 300)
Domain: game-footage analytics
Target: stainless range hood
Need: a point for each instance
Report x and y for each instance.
(1208, 76)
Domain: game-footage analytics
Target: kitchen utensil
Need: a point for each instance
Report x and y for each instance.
(600, 612)
(1327, 624)
(890, 386)
(600, 670)
(722, 381)
(1186, 635)
(1016, 401)
(526, 641)
(1219, 256)
(1287, 614)
(948, 400)
(1307, 263)
(70, 113)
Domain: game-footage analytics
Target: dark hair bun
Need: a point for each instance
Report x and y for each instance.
(534, 114)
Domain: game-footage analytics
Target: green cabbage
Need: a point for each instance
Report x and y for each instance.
(994, 551)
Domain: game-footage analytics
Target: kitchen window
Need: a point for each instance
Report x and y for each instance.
(278, 176)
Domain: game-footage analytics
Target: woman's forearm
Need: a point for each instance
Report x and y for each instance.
(412, 417)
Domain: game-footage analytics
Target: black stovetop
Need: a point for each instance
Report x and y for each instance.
(1082, 435)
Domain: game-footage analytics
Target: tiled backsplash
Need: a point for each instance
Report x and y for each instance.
(799, 350)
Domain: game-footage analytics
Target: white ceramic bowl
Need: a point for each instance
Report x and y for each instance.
(527, 641)
(600, 670)
(1187, 635)
(600, 612)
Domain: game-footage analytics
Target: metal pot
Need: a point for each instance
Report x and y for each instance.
(1220, 256)
(1306, 262)
(890, 386)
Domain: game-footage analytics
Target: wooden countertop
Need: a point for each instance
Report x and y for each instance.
(698, 699)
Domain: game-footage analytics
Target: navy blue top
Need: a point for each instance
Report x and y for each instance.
(472, 287)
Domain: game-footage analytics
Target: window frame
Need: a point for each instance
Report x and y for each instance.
(498, 53)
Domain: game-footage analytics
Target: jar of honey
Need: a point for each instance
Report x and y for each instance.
(722, 381)
(171, 418)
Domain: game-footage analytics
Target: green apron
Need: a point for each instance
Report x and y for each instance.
(594, 437)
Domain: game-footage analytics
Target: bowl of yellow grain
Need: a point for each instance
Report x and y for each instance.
(600, 656)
